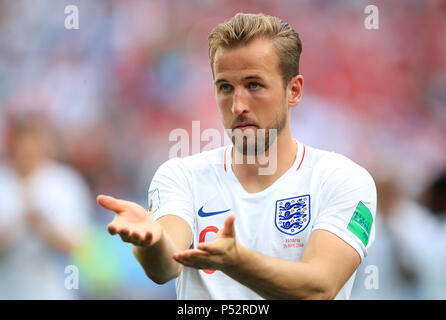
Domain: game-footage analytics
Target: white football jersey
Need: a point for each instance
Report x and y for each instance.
(322, 190)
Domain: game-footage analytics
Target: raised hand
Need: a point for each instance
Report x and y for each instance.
(131, 222)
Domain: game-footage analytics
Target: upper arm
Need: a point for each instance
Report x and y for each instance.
(171, 202)
(347, 207)
(178, 230)
(344, 226)
(333, 257)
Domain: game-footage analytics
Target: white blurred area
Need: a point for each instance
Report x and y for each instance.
(46, 207)
(110, 93)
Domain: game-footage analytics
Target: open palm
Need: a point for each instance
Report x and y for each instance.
(131, 222)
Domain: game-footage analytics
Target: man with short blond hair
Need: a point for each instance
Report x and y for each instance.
(225, 231)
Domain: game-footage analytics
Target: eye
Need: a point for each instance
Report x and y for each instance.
(225, 87)
(254, 85)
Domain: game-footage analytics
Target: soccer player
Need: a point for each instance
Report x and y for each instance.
(298, 232)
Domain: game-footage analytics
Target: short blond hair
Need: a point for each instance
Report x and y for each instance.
(244, 27)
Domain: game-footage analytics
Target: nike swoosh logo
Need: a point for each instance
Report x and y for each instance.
(203, 214)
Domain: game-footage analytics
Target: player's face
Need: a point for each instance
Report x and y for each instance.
(250, 93)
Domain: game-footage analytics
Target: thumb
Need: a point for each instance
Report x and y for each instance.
(228, 229)
(111, 203)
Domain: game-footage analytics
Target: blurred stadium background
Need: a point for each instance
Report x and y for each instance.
(101, 101)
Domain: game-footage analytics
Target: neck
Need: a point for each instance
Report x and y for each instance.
(268, 167)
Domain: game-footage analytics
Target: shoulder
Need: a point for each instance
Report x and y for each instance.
(54, 175)
(333, 167)
(57, 171)
(198, 163)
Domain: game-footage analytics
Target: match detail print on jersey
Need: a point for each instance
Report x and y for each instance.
(361, 223)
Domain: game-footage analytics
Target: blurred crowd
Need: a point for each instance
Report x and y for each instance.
(89, 111)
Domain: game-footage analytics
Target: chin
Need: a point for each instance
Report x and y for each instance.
(252, 146)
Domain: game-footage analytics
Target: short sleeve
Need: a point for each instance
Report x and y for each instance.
(170, 193)
(348, 207)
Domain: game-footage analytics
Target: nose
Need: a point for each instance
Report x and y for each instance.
(239, 103)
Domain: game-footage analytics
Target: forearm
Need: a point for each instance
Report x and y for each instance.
(57, 241)
(274, 278)
(5, 241)
(157, 261)
(51, 234)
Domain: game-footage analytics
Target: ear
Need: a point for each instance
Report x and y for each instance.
(294, 90)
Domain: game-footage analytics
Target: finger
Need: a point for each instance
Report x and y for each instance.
(135, 238)
(184, 260)
(111, 228)
(111, 203)
(191, 253)
(176, 257)
(191, 264)
(124, 234)
(124, 238)
(209, 248)
(228, 229)
(116, 225)
(179, 260)
(147, 239)
(194, 260)
(141, 239)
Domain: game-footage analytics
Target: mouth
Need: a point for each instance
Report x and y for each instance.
(245, 126)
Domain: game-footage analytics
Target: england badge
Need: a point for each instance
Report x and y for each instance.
(293, 214)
